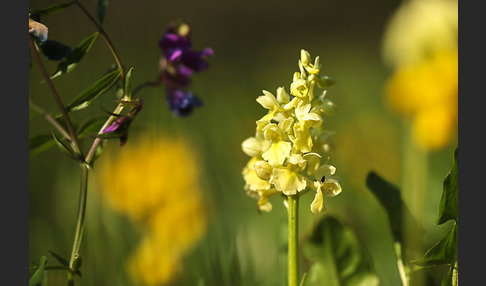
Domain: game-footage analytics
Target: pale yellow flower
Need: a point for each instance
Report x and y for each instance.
(282, 150)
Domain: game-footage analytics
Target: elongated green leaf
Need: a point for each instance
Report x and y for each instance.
(128, 84)
(59, 258)
(339, 259)
(390, 198)
(443, 252)
(91, 126)
(36, 278)
(51, 9)
(86, 97)
(64, 148)
(40, 143)
(449, 199)
(54, 50)
(33, 266)
(101, 6)
(70, 61)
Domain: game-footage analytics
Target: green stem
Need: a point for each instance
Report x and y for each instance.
(73, 138)
(401, 268)
(80, 221)
(107, 39)
(293, 259)
(414, 189)
(50, 119)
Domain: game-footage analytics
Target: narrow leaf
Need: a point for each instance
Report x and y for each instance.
(101, 6)
(51, 9)
(338, 256)
(128, 84)
(54, 50)
(72, 59)
(59, 258)
(36, 278)
(449, 199)
(40, 143)
(91, 127)
(443, 252)
(390, 198)
(86, 97)
(64, 148)
(33, 266)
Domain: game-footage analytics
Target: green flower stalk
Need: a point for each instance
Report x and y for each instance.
(289, 151)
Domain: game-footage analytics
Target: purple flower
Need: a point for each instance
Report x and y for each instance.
(119, 128)
(178, 63)
(181, 102)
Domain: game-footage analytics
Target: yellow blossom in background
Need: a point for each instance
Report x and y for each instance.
(284, 150)
(421, 45)
(419, 28)
(155, 182)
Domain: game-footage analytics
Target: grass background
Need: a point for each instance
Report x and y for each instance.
(257, 45)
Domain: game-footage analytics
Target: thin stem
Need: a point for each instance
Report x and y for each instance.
(293, 260)
(401, 268)
(50, 119)
(74, 138)
(105, 36)
(146, 84)
(83, 192)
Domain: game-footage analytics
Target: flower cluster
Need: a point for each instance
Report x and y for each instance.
(177, 64)
(287, 145)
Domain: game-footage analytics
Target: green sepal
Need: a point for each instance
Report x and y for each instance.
(59, 258)
(86, 97)
(51, 9)
(74, 57)
(101, 6)
(128, 84)
(338, 256)
(443, 252)
(36, 278)
(449, 200)
(390, 198)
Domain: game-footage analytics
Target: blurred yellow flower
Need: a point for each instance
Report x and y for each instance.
(419, 28)
(155, 182)
(421, 45)
(428, 93)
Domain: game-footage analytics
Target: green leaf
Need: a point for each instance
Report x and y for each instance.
(59, 258)
(449, 199)
(128, 84)
(86, 97)
(91, 126)
(40, 143)
(51, 9)
(390, 198)
(64, 148)
(74, 57)
(443, 252)
(101, 6)
(338, 257)
(450, 279)
(33, 266)
(54, 50)
(36, 278)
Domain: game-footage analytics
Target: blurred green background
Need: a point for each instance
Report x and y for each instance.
(256, 46)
